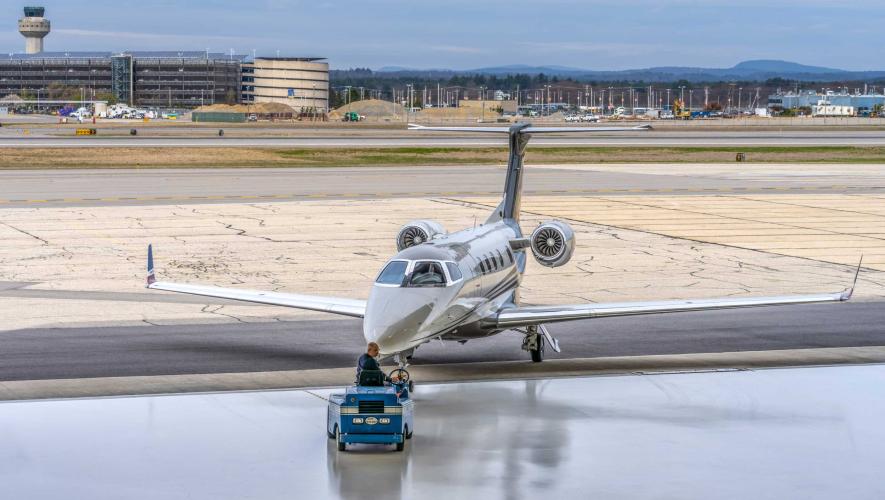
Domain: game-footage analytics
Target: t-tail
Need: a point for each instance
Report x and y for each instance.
(519, 135)
(151, 278)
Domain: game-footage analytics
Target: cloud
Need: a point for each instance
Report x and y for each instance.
(609, 48)
(456, 49)
(147, 36)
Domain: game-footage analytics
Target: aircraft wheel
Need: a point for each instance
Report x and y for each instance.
(408, 433)
(538, 353)
(401, 445)
(341, 444)
(411, 386)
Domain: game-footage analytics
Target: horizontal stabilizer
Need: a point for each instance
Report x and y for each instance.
(531, 129)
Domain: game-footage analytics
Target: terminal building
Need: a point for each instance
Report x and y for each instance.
(862, 103)
(169, 79)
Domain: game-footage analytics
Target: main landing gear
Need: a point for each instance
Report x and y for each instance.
(535, 340)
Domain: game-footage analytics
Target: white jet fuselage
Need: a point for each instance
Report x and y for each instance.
(401, 316)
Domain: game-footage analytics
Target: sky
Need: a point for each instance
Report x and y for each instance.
(464, 34)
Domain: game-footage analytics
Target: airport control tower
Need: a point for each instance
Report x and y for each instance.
(33, 27)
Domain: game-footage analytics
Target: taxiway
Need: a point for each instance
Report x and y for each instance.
(402, 138)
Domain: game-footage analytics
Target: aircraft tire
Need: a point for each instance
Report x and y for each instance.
(401, 445)
(538, 354)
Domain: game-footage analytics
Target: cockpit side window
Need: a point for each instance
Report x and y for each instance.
(454, 272)
(428, 274)
(394, 273)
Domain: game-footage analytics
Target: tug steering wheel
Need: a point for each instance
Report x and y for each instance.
(403, 378)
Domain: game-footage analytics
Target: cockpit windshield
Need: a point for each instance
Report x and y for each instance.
(394, 273)
(419, 273)
(428, 274)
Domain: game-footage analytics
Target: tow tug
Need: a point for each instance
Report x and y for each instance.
(371, 411)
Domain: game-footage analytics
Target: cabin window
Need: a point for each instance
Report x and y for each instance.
(500, 258)
(482, 267)
(428, 274)
(454, 272)
(510, 255)
(488, 264)
(394, 273)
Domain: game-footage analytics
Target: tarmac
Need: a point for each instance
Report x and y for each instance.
(65, 188)
(239, 137)
(811, 433)
(72, 269)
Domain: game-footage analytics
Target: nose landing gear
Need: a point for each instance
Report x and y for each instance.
(402, 360)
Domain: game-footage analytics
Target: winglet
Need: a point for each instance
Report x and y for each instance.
(846, 295)
(151, 279)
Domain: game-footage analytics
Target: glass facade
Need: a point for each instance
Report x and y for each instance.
(121, 78)
(150, 79)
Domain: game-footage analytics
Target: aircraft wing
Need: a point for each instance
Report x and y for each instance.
(333, 305)
(535, 315)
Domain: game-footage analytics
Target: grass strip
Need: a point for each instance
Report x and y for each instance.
(185, 157)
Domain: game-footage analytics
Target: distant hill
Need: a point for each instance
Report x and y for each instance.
(755, 70)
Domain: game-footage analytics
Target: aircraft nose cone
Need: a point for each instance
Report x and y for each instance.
(394, 317)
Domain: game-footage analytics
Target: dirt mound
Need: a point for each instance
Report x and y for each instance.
(370, 108)
(261, 108)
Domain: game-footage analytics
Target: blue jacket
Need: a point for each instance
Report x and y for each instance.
(366, 362)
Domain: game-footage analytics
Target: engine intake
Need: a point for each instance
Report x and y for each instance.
(553, 243)
(417, 232)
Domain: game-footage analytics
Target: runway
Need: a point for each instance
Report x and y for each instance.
(811, 433)
(172, 186)
(402, 138)
(118, 351)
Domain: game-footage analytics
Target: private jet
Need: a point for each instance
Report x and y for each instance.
(464, 285)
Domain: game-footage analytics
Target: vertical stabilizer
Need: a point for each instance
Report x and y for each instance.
(509, 207)
(151, 279)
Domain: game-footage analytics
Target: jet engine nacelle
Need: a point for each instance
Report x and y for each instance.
(417, 232)
(553, 243)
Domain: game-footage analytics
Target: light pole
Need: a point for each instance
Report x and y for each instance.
(482, 102)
